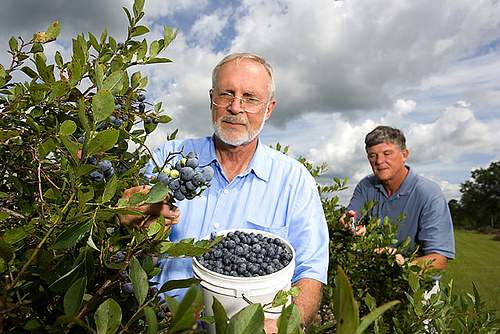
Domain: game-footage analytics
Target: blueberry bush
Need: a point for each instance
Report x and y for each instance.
(377, 279)
(72, 139)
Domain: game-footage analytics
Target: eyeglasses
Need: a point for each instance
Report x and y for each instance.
(249, 104)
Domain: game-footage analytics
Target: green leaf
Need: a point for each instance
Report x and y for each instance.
(139, 280)
(13, 45)
(68, 127)
(172, 249)
(18, 233)
(413, 281)
(138, 31)
(99, 75)
(103, 141)
(151, 320)
(157, 193)
(4, 135)
(137, 198)
(64, 281)
(220, 316)
(110, 189)
(71, 146)
(53, 31)
(135, 80)
(70, 237)
(374, 315)
(178, 284)
(290, 320)
(85, 169)
(154, 48)
(74, 72)
(463, 302)
(82, 117)
(158, 61)
(60, 88)
(114, 82)
(59, 59)
(74, 296)
(345, 307)
(250, 320)
(189, 310)
(138, 6)
(6, 250)
(103, 105)
(108, 317)
(169, 35)
(29, 72)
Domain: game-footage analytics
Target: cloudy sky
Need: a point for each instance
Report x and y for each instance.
(428, 67)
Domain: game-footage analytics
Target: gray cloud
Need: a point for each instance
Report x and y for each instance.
(342, 67)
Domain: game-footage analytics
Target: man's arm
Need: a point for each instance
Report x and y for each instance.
(440, 262)
(309, 298)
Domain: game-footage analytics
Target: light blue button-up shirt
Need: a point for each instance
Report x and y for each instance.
(276, 194)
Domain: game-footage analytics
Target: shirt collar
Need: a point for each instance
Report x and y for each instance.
(207, 153)
(259, 165)
(404, 188)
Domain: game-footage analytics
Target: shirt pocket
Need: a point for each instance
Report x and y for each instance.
(281, 231)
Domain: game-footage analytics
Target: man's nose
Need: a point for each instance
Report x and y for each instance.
(236, 106)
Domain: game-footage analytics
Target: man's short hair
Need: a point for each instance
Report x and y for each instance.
(250, 56)
(385, 134)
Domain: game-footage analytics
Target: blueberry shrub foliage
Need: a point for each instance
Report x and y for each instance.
(389, 296)
(71, 140)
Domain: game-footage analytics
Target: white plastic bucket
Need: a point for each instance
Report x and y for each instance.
(235, 293)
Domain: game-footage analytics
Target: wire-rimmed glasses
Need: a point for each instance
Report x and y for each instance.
(249, 104)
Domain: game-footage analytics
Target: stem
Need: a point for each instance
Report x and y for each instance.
(37, 249)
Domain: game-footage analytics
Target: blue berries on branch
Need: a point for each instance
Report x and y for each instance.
(184, 178)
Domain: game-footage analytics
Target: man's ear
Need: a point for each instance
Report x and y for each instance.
(270, 108)
(405, 154)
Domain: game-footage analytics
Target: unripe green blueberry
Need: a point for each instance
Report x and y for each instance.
(174, 173)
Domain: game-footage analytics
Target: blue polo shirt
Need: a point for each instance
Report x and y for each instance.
(276, 194)
(428, 220)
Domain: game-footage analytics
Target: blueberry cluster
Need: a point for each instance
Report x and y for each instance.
(246, 254)
(106, 169)
(183, 178)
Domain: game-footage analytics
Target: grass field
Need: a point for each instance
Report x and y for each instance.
(477, 260)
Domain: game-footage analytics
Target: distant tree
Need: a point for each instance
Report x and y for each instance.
(480, 202)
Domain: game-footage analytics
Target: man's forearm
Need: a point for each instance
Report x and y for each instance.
(439, 261)
(309, 298)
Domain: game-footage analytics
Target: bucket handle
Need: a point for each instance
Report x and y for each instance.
(250, 303)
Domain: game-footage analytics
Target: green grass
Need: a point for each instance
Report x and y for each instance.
(477, 259)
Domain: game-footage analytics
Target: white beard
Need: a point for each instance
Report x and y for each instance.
(242, 139)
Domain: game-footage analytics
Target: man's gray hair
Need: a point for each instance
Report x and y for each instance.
(385, 134)
(250, 56)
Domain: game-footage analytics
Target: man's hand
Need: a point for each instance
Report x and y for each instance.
(171, 213)
(346, 222)
(392, 251)
(270, 326)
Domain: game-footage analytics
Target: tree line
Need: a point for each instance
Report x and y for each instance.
(479, 205)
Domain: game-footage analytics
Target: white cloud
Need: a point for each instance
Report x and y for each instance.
(342, 67)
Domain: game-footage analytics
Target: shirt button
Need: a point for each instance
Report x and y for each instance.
(216, 225)
(226, 191)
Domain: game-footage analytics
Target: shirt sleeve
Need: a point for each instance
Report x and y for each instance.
(358, 198)
(435, 233)
(308, 233)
